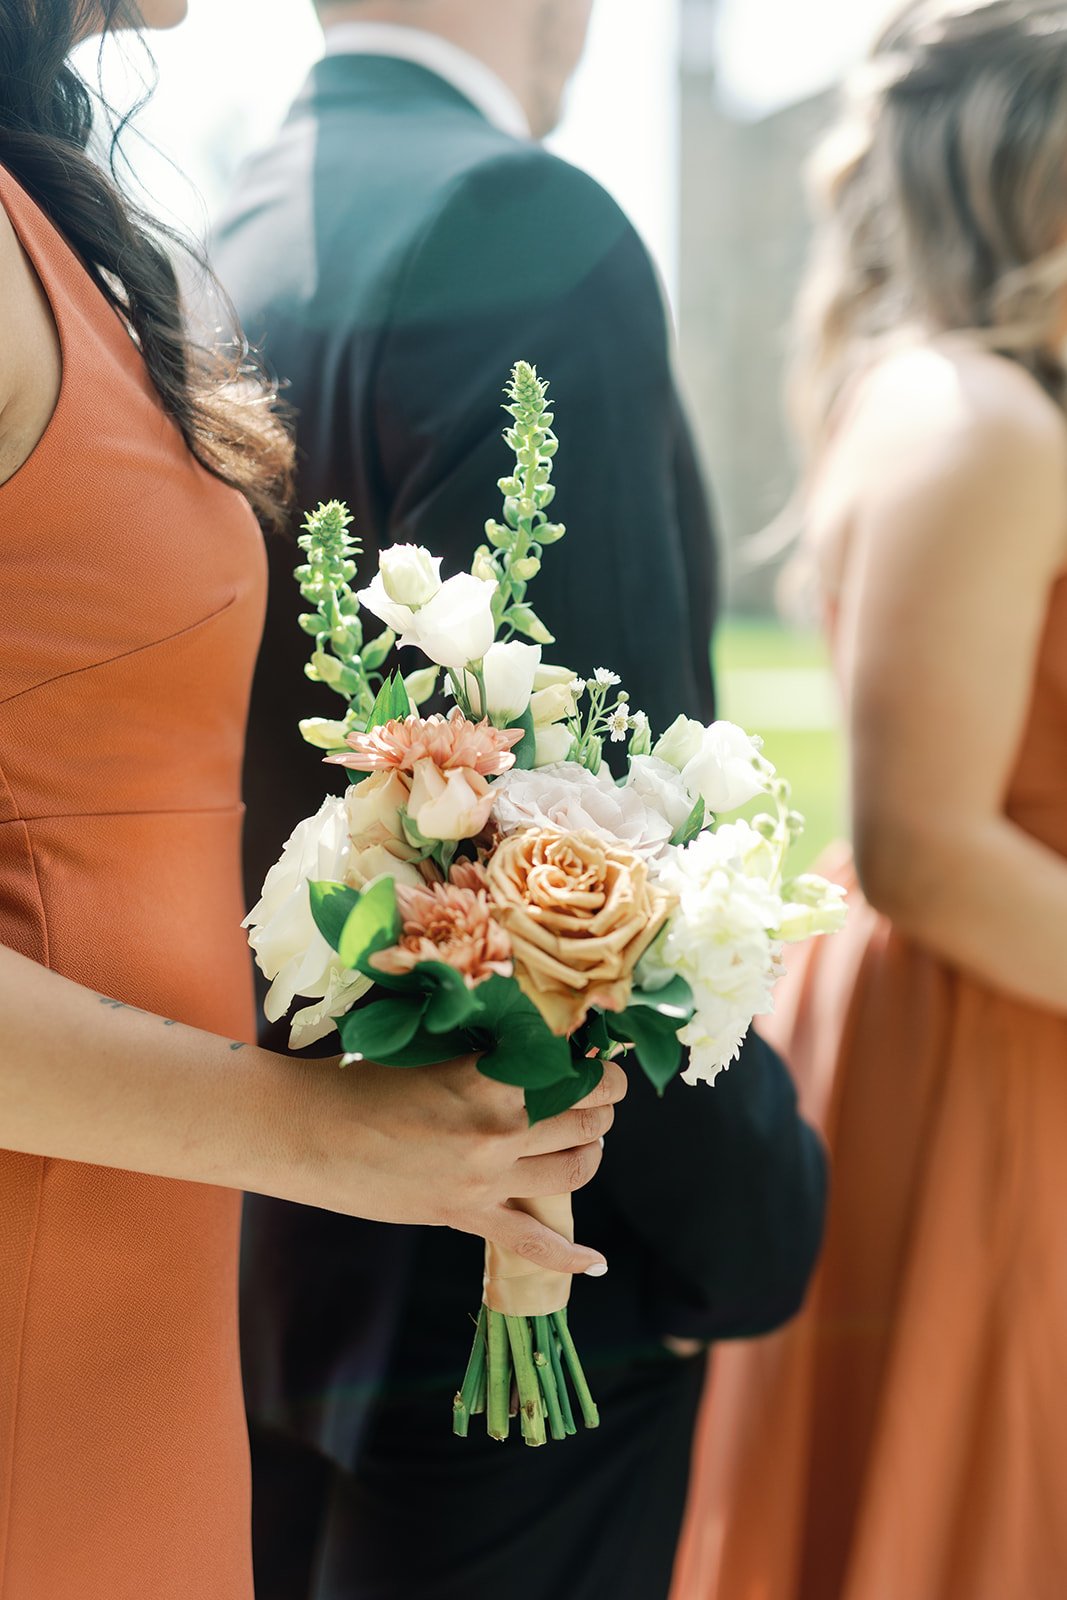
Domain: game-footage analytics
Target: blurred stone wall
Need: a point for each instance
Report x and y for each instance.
(744, 234)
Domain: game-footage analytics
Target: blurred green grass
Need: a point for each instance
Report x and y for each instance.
(776, 681)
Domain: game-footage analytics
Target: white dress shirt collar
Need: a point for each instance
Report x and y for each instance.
(472, 78)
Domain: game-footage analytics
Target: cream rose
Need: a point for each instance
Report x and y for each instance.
(449, 803)
(378, 846)
(580, 910)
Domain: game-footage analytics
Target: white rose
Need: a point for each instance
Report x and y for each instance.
(318, 1020)
(509, 678)
(552, 744)
(571, 798)
(661, 787)
(724, 769)
(680, 743)
(410, 574)
(376, 599)
(456, 627)
(288, 946)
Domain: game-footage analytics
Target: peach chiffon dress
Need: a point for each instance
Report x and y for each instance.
(132, 587)
(906, 1437)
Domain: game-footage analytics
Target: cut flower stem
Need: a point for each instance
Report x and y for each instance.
(534, 1359)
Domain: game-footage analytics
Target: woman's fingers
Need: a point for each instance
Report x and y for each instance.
(570, 1129)
(514, 1230)
(586, 1122)
(560, 1173)
(610, 1090)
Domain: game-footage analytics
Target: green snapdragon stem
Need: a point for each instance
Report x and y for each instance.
(533, 1359)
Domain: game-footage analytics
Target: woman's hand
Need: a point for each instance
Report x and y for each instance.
(445, 1145)
(86, 1078)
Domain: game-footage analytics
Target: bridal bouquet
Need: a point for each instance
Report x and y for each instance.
(488, 886)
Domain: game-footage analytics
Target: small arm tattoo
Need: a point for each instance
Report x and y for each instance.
(168, 1022)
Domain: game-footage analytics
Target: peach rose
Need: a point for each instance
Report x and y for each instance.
(580, 911)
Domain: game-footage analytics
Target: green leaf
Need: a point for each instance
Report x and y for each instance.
(401, 698)
(373, 924)
(542, 1103)
(331, 906)
(674, 1000)
(519, 1047)
(423, 1050)
(655, 1041)
(593, 1036)
(525, 751)
(391, 703)
(692, 824)
(451, 1003)
(379, 1030)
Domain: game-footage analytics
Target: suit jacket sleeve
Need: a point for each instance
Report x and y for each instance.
(722, 1188)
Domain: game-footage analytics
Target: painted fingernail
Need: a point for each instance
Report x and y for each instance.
(597, 1271)
(600, 1141)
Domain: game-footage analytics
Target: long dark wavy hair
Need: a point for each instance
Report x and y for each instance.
(218, 397)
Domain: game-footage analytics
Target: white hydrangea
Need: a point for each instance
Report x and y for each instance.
(725, 938)
(721, 939)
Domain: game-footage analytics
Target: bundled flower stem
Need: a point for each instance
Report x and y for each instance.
(524, 1359)
(531, 1358)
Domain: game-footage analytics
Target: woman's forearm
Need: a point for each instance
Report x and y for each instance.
(982, 894)
(86, 1078)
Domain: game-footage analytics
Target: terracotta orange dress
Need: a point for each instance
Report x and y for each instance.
(131, 591)
(906, 1437)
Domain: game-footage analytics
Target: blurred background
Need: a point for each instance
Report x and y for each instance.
(698, 116)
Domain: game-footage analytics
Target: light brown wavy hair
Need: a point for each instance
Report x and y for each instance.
(941, 199)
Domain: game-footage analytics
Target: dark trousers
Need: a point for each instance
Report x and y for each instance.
(432, 1517)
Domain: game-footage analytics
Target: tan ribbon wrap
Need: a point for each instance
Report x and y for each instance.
(516, 1286)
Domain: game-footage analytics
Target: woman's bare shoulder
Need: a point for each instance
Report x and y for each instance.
(951, 403)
